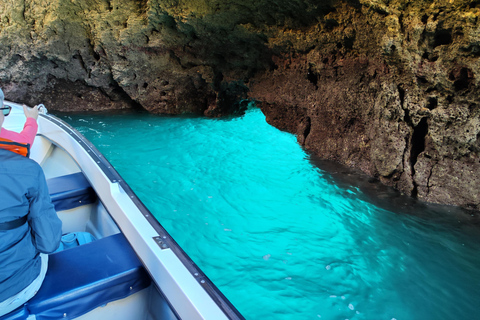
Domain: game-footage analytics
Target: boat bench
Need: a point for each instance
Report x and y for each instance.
(70, 191)
(18, 314)
(83, 278)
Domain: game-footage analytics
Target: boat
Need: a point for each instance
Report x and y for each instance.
(133, 269)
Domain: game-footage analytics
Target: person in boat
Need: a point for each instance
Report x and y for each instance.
(27, 135)
(29, 225)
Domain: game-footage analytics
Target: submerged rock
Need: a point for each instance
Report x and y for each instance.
(388, 87)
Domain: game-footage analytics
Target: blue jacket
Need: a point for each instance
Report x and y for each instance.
(23, 191)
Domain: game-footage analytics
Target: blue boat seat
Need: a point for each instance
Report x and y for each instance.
(86, 277)
(70, 191)
(20, 313)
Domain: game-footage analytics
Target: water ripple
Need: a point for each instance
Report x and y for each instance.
(279, 236)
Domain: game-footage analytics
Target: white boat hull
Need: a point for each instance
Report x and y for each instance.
(179, 289)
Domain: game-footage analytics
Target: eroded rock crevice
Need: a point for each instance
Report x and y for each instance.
(417, 147)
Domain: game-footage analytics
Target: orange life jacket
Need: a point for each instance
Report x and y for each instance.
(17, 147)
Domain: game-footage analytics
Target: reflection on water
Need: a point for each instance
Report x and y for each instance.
(389, 199)
(284, 235)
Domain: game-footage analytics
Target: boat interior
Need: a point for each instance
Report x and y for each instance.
(115, 260)
(97, 276)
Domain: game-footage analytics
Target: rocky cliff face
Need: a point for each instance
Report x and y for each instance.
(386, 86)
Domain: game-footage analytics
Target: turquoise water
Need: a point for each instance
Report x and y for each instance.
(282, 238)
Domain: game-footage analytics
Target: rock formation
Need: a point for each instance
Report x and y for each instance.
(386, 86)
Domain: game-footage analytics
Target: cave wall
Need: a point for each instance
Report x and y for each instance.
(389, 87)
(164, 56)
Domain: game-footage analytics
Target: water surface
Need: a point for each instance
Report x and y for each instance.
(282, 238)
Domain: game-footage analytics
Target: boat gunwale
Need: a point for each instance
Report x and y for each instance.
(217, 296)
(163, 239)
